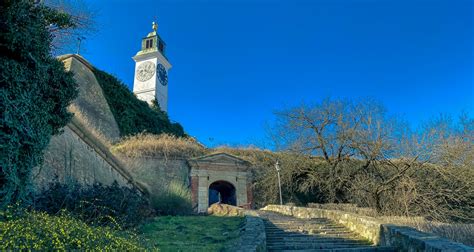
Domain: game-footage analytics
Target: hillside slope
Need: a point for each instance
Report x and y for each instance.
(134, 116)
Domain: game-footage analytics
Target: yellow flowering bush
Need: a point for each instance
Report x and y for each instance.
(40, 231)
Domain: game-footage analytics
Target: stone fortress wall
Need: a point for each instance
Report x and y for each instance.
(156, 174)
(80, 154)
(75, 156)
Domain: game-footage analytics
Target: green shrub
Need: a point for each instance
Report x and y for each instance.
(96, 205)
(175, 199)
(134, 116)
(35, 91)
(40, 231)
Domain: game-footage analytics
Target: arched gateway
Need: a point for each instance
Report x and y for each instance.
(221, 178)
(222, 192)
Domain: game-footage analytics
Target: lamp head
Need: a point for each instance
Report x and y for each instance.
(277, 165)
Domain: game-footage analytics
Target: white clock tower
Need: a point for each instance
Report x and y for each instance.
(151, 70)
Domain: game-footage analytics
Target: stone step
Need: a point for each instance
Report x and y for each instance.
(314, 245)
(305, 225)
(305, 228)
(307, 231)
(302, 224)
(313, 237)
(358, 249)
(350, 236)
(278, 216)
(325, 232)
(299, 244)
(286, 233)
(312, 240)
(299, 222)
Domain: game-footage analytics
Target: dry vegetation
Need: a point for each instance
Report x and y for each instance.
(163, 146)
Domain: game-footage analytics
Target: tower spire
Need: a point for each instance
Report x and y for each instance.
(154, 26)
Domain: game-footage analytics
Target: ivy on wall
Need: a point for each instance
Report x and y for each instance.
(35, 91)
(134, 116)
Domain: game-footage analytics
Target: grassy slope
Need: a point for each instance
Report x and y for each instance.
(191, 233)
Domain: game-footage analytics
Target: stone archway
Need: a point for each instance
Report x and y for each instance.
(233, 175)
(222, 192)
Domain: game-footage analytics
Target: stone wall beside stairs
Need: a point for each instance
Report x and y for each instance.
(252, 236)
(404, 238)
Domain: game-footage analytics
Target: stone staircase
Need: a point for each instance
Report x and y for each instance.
(287, 233)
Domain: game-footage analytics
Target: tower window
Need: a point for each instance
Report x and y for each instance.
(161, 46)
(149, 43)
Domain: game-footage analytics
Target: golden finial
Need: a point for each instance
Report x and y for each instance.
(154, 26)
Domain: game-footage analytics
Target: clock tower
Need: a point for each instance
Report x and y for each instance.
(151, 70)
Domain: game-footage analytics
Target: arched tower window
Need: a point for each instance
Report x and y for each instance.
(149, 43)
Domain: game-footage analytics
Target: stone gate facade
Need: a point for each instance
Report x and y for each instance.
(220, 178)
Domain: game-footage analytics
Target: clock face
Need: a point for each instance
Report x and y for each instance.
(162, 75)
(145, 71)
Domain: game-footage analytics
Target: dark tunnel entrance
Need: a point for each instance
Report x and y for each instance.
(222, 192)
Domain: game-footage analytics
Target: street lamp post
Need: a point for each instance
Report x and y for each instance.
(277, 167)
(79, 40)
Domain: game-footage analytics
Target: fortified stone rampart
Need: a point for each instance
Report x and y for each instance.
(77, 156)
(157, 173)
(402, 237)
(80, 154)
(90, 106)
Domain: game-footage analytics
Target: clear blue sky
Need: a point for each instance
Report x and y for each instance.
(237, 61)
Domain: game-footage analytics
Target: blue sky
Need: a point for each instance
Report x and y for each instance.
(235, 62)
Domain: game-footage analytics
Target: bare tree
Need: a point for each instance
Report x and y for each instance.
(362, 155)
(450, 188)
(350, 137)
(69, 39)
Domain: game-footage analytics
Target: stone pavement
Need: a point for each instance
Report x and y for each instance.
(287, 233)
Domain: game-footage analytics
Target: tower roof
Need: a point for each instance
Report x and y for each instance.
(153, 42)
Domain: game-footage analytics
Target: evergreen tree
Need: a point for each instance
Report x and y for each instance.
(35, 91)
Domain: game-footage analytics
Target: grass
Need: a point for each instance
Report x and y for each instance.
(173, 199)
(191, 233)
(41, 231)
